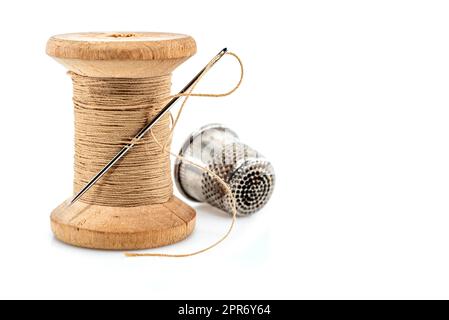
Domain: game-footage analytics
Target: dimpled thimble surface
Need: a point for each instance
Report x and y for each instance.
(249, 175)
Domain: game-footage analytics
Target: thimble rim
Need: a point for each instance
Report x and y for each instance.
(185, 146)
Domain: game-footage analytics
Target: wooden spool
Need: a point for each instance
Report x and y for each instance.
(124, 55)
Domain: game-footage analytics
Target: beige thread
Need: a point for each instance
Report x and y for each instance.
(108, 110)
(143, 176)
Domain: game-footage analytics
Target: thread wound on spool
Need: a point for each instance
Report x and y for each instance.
(107, 110)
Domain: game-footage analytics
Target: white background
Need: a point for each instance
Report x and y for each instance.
(348, 99)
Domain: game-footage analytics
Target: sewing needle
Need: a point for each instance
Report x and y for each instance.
(145, 129)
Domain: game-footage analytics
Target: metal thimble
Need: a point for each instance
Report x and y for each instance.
(250, 176)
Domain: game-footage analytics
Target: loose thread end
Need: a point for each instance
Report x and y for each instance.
(130, 255)
(135, 255)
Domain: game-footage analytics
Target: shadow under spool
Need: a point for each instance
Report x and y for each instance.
(95, 224)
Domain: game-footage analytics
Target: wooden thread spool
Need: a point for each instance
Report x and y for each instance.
(122, 55)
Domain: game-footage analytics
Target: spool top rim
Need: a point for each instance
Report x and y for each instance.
(121, 46)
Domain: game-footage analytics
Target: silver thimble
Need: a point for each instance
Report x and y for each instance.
(250, 176)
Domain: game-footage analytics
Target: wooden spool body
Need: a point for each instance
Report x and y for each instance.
(124, 55)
